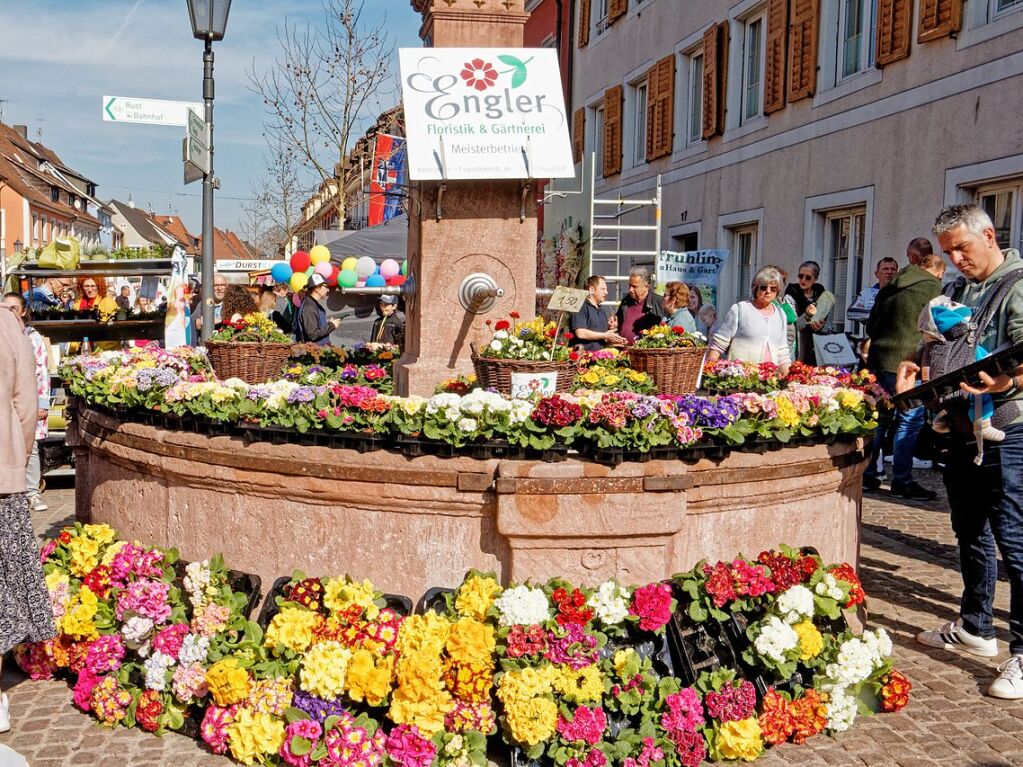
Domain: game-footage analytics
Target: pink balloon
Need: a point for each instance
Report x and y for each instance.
(389, 267)
(323, 268)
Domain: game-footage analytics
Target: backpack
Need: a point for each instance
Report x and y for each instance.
(960, 349)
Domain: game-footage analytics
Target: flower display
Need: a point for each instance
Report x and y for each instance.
(253, 328)
(533, 340)
(570, 675)
(669, 337)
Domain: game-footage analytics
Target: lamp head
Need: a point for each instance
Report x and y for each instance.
(209, 18)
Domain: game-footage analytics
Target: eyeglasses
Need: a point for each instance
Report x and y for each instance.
(767, 288)
(805, 277)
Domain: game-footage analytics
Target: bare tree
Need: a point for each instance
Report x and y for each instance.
(327, 82)
(277, 197)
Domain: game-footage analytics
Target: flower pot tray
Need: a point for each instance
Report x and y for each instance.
(247, 583)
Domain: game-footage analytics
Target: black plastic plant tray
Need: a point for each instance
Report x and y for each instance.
(699, 647)
(247, 583)
(708, 450)
(930, 393)
(433, 600)
(400, 604)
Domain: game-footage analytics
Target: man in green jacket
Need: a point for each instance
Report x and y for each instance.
(893, 330)
(986, 501)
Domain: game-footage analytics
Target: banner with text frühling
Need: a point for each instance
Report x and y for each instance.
(388, 180)
(484, 113)
(700, 269)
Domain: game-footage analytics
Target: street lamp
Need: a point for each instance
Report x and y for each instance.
(17, 246)
(209, 21)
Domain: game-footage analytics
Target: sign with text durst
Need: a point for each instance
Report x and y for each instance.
(484, 113)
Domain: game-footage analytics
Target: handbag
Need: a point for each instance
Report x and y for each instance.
(62, 253)
(833, 349)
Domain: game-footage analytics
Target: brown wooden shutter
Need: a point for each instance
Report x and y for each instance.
(613, 130)
(939, 18)
(584, 23)
(715, 78)
(894, 22)
(578, 128)
(804, 23)
(775, 53)
(616, 9)
(660, 109)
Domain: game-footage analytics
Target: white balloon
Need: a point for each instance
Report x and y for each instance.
(365, 266)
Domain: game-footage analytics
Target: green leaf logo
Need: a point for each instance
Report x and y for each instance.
(518, 68)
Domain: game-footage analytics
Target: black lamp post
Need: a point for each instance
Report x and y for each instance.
(209, 21)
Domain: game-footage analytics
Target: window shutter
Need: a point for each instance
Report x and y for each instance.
(613, 130)
(804, 23)
(660, 111)
(616, 9)
(584, 23)
(894, 22)
(578, 128)
(715, 78)
(939, 18)
(777, 45)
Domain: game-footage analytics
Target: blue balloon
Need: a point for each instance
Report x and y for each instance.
(375, 281)
(376, 269)
(281, 272)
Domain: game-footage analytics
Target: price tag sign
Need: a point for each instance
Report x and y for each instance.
(524, 384)
(567, 299)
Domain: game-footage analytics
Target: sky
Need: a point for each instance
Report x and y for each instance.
(58, 58)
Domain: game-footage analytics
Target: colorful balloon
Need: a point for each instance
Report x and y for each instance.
(281, 272)
(319, 254)
(398, 279)
(375, 281)
(404, 267)
(365, 266)
(299, 261)
(298, 281)
(323, 268)
(309, 271)
(347, 278)
(349, 263)
(389, 267)
(332, 277)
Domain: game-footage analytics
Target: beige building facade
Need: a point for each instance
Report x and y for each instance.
(788, 130)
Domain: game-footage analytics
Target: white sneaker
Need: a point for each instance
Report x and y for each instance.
(921, 463)
(5, 714)
(889, 458)
(37, 504)
(1008, 685)
(952, 636)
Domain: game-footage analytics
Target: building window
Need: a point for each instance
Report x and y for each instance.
(845, 239)
(753, 69)
(596, 122)
(54, 194)
(639, 106)
(599, 15)
(744, 250)
(1002, 203)
(693, 84)
(857, 21)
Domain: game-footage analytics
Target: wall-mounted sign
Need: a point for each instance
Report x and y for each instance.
(484, 113)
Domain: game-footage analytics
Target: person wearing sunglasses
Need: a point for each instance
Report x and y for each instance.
(754, 330)
(813, 309)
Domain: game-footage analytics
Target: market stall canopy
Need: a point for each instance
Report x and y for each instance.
(386, 240)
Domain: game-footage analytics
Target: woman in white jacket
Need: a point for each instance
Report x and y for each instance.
(754, 330)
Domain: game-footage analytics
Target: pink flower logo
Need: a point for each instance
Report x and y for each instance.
(479, 74)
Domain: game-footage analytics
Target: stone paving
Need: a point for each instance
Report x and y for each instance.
(908, 565)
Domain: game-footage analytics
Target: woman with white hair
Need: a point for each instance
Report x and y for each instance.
(754, 330)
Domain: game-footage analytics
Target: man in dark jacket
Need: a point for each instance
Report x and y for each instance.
(312, 325)
(641, 308)
(893, 330)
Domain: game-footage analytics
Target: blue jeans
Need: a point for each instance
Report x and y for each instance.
(907, 425)
(987, 509)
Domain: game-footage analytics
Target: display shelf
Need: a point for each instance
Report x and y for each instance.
(119, 330)
(135, 267)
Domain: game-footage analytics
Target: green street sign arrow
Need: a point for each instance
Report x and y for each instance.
(107, 108)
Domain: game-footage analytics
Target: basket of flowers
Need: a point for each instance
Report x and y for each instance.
(530, 348)
(671, 356)
(251, 348)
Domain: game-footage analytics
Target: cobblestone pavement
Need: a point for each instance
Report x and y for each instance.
(908, 565)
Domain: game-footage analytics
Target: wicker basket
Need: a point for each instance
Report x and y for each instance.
(254, 363)
(675, 371)
(493, 373)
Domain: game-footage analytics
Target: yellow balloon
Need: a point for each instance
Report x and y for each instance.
(318, 254)
(349, 263)
(298, 281)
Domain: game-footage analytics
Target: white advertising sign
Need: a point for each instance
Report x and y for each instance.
(484, 113)
(253, 265)
(524, 385)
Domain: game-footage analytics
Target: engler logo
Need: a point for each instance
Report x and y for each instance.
(484, 113)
